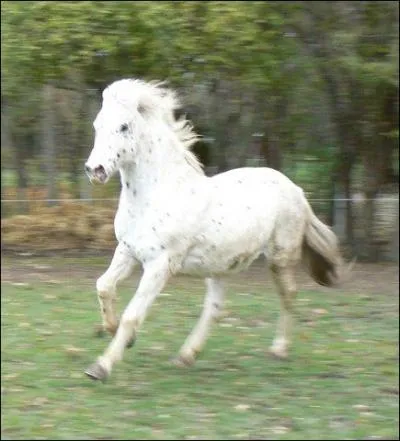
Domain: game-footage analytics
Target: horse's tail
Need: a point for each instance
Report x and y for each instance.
(321, 252)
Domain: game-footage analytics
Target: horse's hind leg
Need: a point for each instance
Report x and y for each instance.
(285, 282)
(211, 310)
(120, 268)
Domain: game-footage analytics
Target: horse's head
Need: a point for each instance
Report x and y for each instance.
(115, 143)
(132, 112)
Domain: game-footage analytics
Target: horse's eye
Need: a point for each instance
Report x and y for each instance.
(124, 128)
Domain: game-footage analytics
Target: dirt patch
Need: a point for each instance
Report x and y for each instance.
(73, 266)
(76, 242)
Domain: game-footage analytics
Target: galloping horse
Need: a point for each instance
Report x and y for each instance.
(173, 219)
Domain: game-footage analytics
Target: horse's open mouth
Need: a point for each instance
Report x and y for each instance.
(97, 175)
(100, 174)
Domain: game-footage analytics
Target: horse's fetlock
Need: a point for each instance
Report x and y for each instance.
(130, 323)
(103, 288)
(111, 328)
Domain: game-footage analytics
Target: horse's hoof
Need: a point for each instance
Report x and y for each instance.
(183, 362)
(96, 372)
(130, 343)
(99, 331)
(279, 354)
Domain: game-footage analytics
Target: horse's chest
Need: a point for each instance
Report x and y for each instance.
(144, 232)
(125, 223)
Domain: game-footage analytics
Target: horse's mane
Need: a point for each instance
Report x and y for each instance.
(154, 99)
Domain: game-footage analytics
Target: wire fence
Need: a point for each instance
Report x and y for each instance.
(116, 199)
(332, 211)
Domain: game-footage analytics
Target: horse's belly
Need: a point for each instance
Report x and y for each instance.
(210, 260)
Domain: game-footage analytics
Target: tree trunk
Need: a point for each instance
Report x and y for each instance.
(91, 110)
(77, 140)
(271, 151)
(17, 147)
(5, 144)
(316, 43)
(49, 143)
(371, 244)
(349, 230)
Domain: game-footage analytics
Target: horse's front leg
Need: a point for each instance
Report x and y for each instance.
(120, 268)
(154, 277)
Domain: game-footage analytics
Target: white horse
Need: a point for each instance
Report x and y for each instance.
(173, 219)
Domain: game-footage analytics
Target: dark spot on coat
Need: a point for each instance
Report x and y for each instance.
(134, 192)
(162, 247)
(239, 181)
(216, 305)
(153, 228)
(127, 184)
(118, 155)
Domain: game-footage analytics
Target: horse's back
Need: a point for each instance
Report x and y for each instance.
(261, 187)
(265, 174)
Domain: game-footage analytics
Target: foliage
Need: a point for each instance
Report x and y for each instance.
(317, 78)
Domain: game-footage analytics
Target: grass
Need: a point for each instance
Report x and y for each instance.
(341, 381)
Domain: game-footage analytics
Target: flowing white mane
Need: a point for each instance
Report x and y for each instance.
(155, 100)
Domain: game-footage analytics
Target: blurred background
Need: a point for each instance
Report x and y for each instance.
(308, 88)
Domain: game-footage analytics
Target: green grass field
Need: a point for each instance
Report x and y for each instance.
(341, 381)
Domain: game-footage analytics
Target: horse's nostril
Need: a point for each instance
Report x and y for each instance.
(87, 169)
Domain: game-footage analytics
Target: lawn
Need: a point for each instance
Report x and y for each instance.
(340, 382)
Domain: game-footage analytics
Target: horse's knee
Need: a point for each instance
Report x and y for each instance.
(129, 325)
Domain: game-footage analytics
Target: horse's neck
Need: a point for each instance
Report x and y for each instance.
(159, 166)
